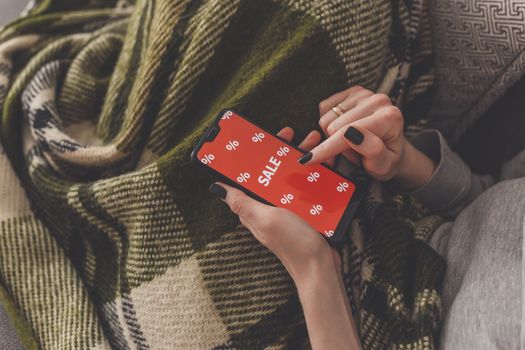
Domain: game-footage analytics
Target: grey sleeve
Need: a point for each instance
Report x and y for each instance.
(452, 186)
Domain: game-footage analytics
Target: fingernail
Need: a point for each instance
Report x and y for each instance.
(305, 158)
(218, 190)
(353, 135)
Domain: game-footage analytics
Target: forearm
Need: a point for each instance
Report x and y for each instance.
(446, 186)
(325, 304)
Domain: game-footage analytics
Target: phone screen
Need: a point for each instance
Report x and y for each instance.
(268, 167)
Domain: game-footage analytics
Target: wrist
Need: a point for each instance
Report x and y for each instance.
(314, 271)
(326, 306)
(415, 168)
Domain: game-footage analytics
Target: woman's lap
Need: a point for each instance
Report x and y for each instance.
(482, 291)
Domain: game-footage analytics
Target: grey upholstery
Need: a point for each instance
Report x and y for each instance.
(480, 53)
(9, 9)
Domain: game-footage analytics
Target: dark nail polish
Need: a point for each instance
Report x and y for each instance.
(218, 190)
(353, 135)
(305, 158)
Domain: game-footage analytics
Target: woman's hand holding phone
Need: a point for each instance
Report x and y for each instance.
(314, 266)
(288, 236)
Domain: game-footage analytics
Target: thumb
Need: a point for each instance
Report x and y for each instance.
(249, 210)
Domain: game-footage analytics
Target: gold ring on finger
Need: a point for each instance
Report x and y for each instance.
(338, 110)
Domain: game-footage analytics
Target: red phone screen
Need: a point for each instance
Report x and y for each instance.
(268, 167)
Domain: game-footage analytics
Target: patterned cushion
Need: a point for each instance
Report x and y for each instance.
(480, 53)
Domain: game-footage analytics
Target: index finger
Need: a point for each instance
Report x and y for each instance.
(327, 149)
(368, 135)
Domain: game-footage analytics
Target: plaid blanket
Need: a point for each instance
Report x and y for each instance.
(108, 236)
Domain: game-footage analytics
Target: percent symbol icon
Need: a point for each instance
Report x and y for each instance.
(207, 159)
(258, 137)
(243, 177)
(329, 233)
(313, 177)
(232, 145)
(287, 198)
(342, 187)
(227, 115)
(316, 209)
(283, 151)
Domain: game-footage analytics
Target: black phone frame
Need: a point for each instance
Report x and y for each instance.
(350, 211)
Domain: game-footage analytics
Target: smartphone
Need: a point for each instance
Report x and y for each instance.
(264, 166)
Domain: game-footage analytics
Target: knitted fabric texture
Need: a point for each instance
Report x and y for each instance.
(108, 235)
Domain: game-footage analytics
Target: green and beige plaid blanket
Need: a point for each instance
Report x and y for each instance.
(108, 236)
